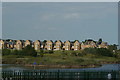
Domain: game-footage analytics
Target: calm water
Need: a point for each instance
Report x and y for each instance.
(103, 67)
(77, 74)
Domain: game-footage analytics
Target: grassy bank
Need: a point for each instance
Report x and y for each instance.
(59, 58)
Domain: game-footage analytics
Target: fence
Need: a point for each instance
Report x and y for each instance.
(58, 75)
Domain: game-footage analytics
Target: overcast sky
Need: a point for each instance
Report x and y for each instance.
(0, 20)
(60, 21)
(59, 0)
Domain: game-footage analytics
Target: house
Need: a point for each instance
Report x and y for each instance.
(58, 45)
(49, 45)
(10, 44)
(7, 43)
(37, 45)
(76, 45)
(43, 44)
(88, 44)
(19, 44)
(27, 42)
(3, 44)
(67, 45)
(103, 45)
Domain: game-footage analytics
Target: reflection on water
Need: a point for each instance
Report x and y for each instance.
(24, 73)
(13, 67)
(106, 67)
(103, 67)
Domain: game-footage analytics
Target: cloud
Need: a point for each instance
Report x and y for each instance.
(71, 15)
(80, 11)
(46, 19)
(55, 16)
(47, 16)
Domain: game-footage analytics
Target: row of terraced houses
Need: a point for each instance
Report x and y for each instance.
(50, 45)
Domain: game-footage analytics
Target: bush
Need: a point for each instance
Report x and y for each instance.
(6, 52)
(29, 51)
(48, 51)
(117, 55)
(98, 51)
(104, 52)
(19, 56)
(79, 60)
(90, 51)
(41, 54)
(17, 52)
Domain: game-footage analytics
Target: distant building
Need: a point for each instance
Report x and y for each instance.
(88, 44)
(37, 45)
(58, 45)
(10, 44)
(43, 44)
(19, 45)
(67, 45)
(77, 45)
(103, 45)
(27, 42)
(49, 45)
(3, 44)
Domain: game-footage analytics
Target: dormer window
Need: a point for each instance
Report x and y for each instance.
(77, 44)
(49, 43)
(66, 44)
(58, 43)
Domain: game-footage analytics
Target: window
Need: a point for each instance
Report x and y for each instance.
(58, 43)
(77, 43)
(67, 49)
(36, 45)
(66, 44)
(0, 44)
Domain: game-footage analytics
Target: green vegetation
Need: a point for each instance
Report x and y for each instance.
(98, 51)
(48, 59)
(27, 51)
(88, 56)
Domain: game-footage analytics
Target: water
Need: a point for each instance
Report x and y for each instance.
(103, 67)
(105, 72)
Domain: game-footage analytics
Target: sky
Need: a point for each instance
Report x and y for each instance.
(0, 20)
(59, 0)
(60, 21)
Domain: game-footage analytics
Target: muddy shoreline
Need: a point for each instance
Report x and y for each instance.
(46, 66)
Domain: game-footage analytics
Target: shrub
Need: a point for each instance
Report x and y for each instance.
(104, 52)
(79, 60)
(48, 51)
(6, 52)
(98, 51)
(117, 55)
(29, 51)
(90, 50)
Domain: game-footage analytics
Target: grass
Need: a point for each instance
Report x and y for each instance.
(59, 58)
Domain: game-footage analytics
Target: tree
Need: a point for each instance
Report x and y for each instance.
(100, 41)
(98, 51)
(104, 52)
(112, 47)
(6, 52)
(29, 51)
(89, 51)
